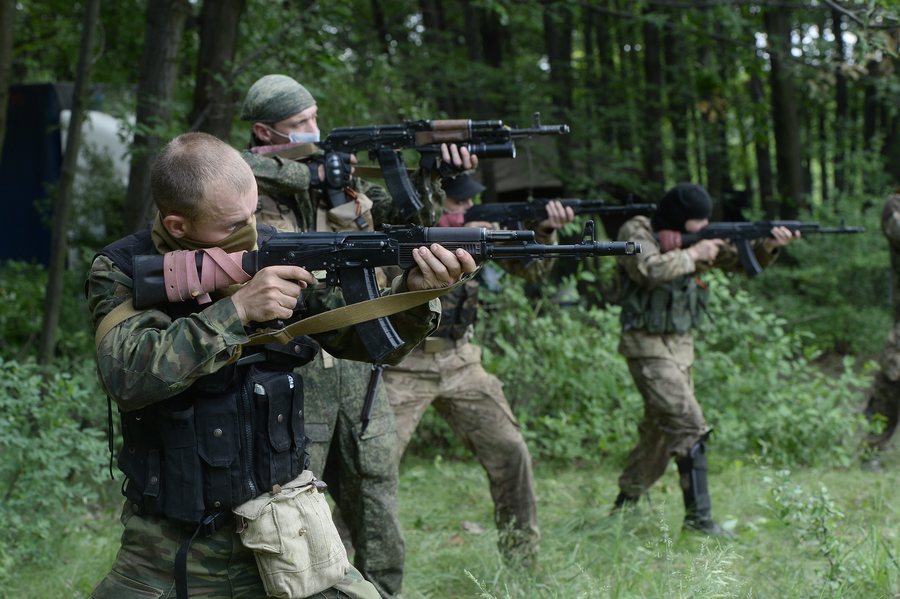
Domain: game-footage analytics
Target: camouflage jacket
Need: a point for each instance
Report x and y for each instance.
(287, 182)
(890, 226)
(652, 268)
(150, 356)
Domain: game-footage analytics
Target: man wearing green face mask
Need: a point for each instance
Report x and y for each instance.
(360, 466)
(209, 422)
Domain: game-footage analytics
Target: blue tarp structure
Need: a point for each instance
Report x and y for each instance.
(31, 160)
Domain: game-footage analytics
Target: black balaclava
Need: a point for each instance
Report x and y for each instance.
(682, 203)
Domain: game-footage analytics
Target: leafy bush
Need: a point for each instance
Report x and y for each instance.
(835, 286)
(573, 394)
(53, 443)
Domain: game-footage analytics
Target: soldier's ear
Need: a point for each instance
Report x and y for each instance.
(176, 225)
(262, 133)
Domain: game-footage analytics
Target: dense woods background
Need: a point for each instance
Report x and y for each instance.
(781, 108)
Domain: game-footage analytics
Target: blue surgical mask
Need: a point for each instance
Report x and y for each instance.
(295, 137)
(303, 138)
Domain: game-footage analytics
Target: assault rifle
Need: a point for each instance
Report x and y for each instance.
(743, 233)
(516, 214)
(486, 139)
(349, 260)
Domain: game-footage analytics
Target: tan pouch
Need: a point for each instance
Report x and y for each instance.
(297, 548)
(343, 217)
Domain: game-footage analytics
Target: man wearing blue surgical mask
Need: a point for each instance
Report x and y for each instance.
(360, 467)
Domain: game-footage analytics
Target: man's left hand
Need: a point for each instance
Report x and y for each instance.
(438, 267)
(781, 236)
(458, 157)
(558, 216)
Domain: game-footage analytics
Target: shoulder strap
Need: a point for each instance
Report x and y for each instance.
(120, 313)
(352, 314)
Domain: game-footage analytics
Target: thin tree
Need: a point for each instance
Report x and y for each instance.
(213, 109)
(159, 67)
(63, 204)
(784, 113)
(652, 132)
(842, 103)
(7, 33)
(558, 43)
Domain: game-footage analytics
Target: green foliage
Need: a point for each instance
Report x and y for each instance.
(759, 392)
(834, 286)
(22, 298)
(54, 451)
(574, 396)
(817, 521)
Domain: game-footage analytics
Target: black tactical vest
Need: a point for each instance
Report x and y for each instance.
(231, 436)
(673, 307)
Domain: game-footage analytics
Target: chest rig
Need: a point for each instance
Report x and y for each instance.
(229, 437)
(673, 307)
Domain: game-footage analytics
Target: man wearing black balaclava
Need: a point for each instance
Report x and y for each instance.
(663, 300)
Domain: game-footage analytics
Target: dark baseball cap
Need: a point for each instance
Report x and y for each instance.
(461, 187)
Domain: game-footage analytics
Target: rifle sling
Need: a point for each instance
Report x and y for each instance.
(350, 315)
(120, 313)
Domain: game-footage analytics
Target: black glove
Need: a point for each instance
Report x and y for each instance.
(337, 171)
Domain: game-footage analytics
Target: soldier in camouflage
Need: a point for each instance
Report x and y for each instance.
(663, 302)
(175, 375)
(359, 466)
(884, 394)
(446, 371)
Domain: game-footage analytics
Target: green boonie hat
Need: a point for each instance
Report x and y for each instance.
(274, 98)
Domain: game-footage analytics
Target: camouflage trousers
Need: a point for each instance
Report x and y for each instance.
(472, 402)
(884, 394)
(361, 469)
(673, 421)
(218, 566)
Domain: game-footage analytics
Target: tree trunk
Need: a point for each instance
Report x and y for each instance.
(214, 96)
(159, 67)
(761, 147)
(784, 114)
(558, 43)
(652, 132)
(381, 28)
(606, 49)
(870, 105)
(823, 154)
(841, 106)
(7, 33)
(61, 209)
(434, 40)
(678, 95)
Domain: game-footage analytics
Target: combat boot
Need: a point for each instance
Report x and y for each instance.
(694, 486)
(623, 502)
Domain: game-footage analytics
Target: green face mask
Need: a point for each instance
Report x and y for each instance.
(244, 239)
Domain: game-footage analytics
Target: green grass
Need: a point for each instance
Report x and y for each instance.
(586, 553)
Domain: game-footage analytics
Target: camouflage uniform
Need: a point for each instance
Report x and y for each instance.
(884, 395)
(446, 371)
(659, 348)
(150, 357)
(360, 469)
